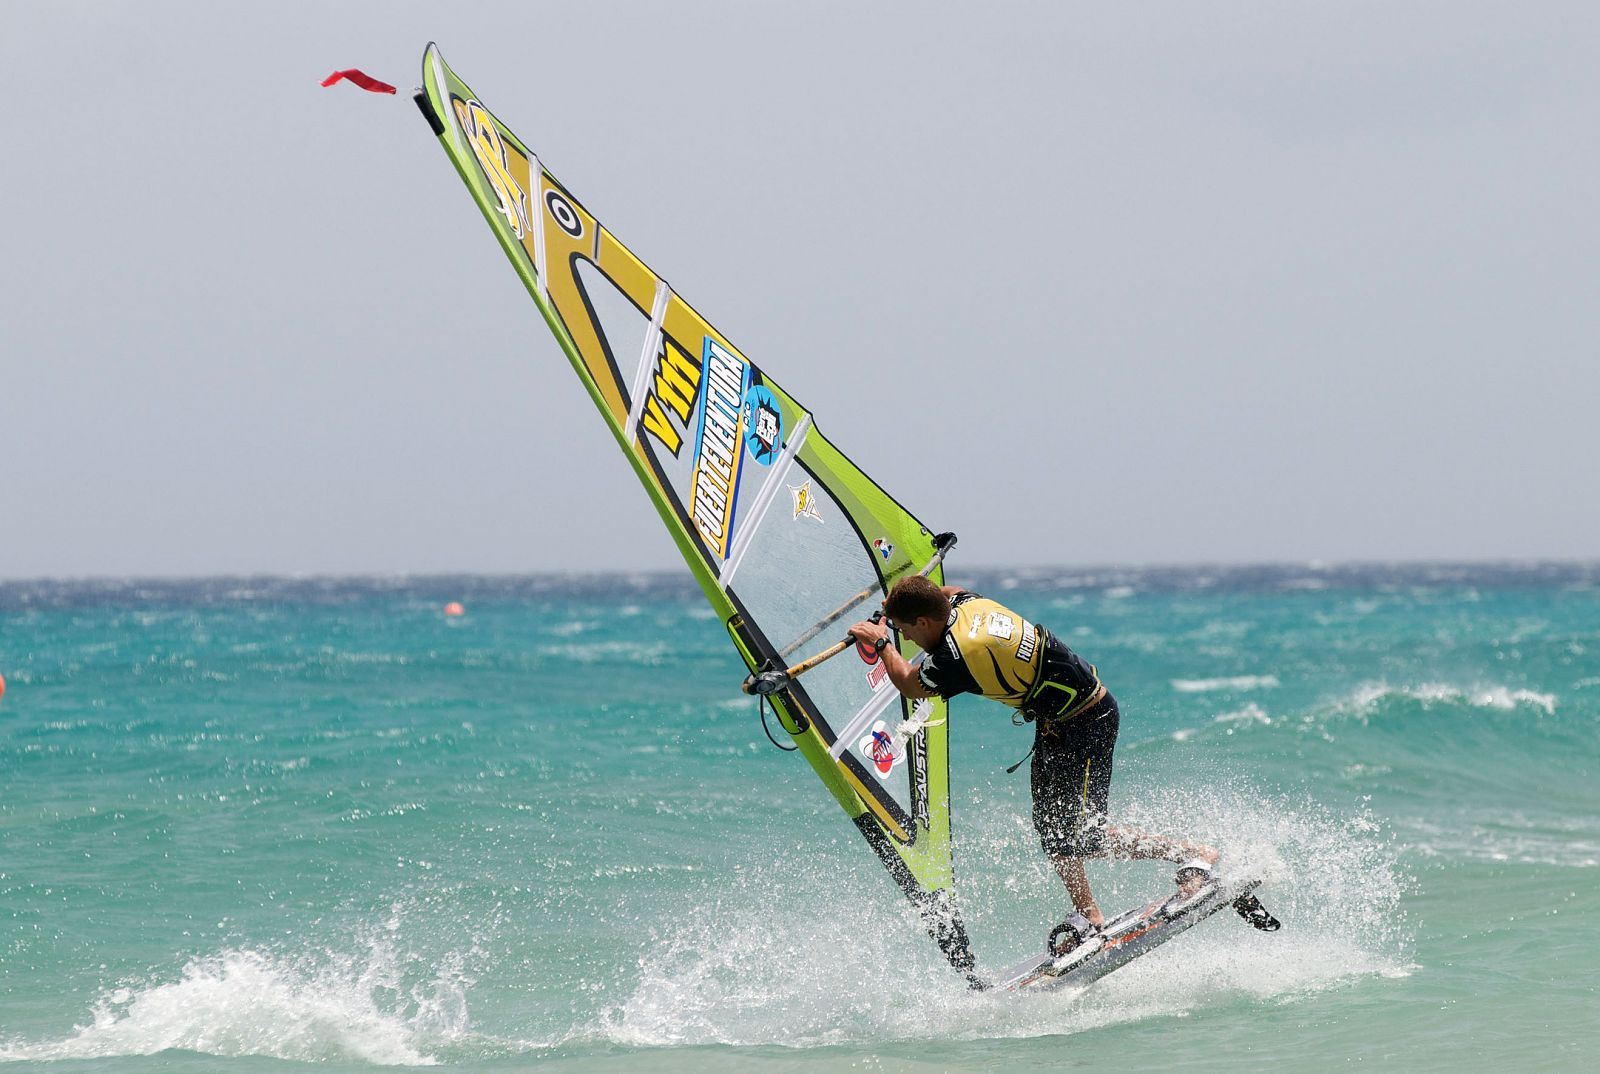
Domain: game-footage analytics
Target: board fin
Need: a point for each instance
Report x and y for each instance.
(1249, 907)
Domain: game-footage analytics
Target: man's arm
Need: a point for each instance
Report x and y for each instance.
(901, 673)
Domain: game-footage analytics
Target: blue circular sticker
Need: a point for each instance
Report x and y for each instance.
(763, 424)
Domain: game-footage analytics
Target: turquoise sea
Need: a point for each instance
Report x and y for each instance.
(272, 825)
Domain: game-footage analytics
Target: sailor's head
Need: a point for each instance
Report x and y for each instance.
(919, 609)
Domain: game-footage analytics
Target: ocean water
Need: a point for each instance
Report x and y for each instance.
(262, 824)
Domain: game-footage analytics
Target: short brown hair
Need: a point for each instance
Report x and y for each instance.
(915, 597)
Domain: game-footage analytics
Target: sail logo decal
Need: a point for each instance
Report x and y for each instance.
(877, 669)
(490, 150)
(719, 444)
(763, 424)
(673, 391)
(919, 779)
(805, 501)
(563, 214)
(876, 674)
(884, 549)
(882, 749)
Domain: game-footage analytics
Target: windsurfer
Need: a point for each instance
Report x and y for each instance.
(976, 645)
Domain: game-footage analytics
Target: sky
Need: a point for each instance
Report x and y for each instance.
(1085, 283)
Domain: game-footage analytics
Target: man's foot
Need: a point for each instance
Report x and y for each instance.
(1196, 873)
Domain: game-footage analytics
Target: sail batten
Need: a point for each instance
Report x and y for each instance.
(647, 353)
(764, 499)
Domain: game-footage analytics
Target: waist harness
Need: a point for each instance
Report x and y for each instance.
(1067, 684)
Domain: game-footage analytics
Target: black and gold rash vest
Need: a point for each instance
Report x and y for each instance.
(989, 649)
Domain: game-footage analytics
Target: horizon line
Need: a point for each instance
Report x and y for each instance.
(1315, 565)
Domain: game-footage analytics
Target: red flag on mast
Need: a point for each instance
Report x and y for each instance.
(360, 78)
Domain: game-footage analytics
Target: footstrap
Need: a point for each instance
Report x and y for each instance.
(1068, 935)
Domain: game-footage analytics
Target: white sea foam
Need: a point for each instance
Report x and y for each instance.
(1236, 682)
(1366, 699)
(253, 1002)
(1499, 835)
(1501, 698)
(1252, 713)
(609, 652)
(800, 959)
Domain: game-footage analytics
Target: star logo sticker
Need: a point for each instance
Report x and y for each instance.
(805, 502)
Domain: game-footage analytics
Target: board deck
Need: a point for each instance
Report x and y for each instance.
(1124, 938)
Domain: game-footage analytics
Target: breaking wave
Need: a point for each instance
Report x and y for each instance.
(1237, 682)
(252, 1002)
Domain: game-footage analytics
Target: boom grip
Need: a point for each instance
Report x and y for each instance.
(766, 683)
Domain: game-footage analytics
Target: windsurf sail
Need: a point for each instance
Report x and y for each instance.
(787, 537)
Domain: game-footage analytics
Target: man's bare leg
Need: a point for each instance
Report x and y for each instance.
(1132, 844)
(1073, 875)
(1138, 845)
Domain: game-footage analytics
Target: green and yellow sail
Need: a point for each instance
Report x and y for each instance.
(782, 531)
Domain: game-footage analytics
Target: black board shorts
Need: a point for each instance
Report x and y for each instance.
(1071, 775)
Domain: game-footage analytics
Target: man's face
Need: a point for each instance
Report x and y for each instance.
(923, 631)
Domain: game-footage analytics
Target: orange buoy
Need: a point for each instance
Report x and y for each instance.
(454, 608)
(2, 686)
